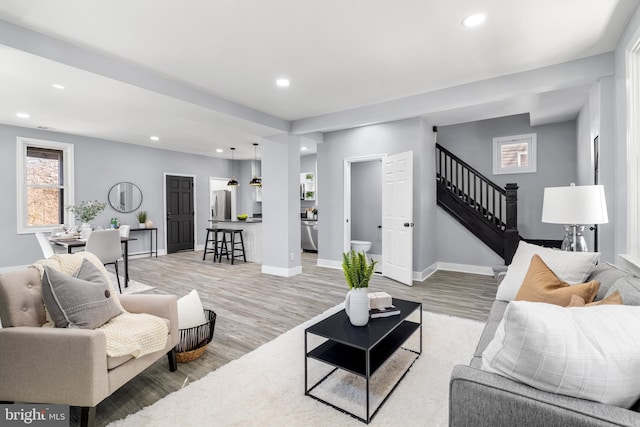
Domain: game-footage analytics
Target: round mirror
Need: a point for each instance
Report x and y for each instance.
(125, 197)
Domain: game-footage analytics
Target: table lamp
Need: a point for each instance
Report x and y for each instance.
(574, 206)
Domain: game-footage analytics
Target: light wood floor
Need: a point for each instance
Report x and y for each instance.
(253, 308)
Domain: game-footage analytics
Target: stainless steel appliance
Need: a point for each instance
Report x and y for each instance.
(220, 205)
(309, 233)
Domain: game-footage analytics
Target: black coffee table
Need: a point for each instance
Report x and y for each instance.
(362, 350)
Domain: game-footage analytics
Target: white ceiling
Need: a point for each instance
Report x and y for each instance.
(200, 74)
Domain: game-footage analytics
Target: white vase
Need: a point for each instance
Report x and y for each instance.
(142, 225)
(85, 230)
(357, 306)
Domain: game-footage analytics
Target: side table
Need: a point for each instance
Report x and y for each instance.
(153, 232)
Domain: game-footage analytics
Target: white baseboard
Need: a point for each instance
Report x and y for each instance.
(465, 268)
(329, 263)
(420, 276)
(282, 272)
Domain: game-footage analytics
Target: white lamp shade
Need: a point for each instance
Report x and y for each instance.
(584, 204)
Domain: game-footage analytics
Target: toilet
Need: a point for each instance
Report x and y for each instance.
(361, 246)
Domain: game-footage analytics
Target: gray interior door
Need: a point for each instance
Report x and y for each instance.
(180, 213)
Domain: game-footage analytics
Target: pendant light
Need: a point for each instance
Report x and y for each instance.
(255, 182)
(232, 182)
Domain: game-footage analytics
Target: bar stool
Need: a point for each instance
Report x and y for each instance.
(213, 232)
(235, 251)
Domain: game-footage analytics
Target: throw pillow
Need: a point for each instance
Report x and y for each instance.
(190, 311)
(541, 285)
(606, 274)
(572, 267)
(578, 301)
(629, 289)
(590, 354)
(74, 302)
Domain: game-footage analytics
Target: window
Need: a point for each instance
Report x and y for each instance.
(44, 184)
(514, 154)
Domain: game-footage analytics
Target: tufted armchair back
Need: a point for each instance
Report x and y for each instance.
(21, 298)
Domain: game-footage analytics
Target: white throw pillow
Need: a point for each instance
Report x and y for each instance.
(591, 353)
(571, 267)
(190, 311)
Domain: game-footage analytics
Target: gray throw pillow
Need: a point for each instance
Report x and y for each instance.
(629, 288)
(606, 274)
(83, 301)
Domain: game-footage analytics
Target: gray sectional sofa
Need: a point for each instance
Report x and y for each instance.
(480, 398)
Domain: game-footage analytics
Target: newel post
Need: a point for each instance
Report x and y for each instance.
(511, 235)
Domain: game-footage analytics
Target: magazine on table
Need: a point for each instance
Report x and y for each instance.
(384, 312)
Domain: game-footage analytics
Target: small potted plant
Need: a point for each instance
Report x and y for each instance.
(357, 272)
(142, 219)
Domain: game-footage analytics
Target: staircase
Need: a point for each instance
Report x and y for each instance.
(485, 209)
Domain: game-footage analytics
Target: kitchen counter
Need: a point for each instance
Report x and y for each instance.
(248, 220)
(251, 235)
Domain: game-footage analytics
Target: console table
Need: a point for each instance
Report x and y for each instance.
(153, 232)
(362, 350)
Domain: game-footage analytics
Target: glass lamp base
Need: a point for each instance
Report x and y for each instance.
(573, 239)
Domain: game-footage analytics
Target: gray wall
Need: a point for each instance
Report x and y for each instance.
(281, 205)
(98, 165)
(366, 203)
(597, 119)
(390, 138)
(556, 166)
(456, 244)
(246, 193)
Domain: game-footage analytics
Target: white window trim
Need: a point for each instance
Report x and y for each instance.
(21, 182)
(530, 138)
(632, 55)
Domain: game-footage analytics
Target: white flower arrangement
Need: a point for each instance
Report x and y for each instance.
(86, 211)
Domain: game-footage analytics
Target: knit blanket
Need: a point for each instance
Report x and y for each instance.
(134, 334)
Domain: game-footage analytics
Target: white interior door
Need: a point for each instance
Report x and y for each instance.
(397, 217)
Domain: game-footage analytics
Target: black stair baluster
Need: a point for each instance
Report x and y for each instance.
(487, 210)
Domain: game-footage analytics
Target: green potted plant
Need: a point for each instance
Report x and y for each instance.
(142, 219)
(357, 272)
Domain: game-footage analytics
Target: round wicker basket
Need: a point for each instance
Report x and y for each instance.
(194, 341)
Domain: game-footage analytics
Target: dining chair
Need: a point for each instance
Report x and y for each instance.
(45, 245)
(106, 245)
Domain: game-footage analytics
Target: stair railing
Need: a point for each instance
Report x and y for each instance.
(494, 205)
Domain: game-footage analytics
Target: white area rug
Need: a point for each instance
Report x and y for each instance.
(266, 387)
(133, 288)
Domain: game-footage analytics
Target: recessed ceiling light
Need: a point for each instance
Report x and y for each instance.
(474, 20)
(154, 138)
(23, 115)
(219, 150)
(57, 86)
(303, 148)
(283, 82)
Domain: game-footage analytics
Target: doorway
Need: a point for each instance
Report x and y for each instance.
(217, 211)
(391, 218)
(180, 212)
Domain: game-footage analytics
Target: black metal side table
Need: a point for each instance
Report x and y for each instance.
(153, 232)
(362, 350)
